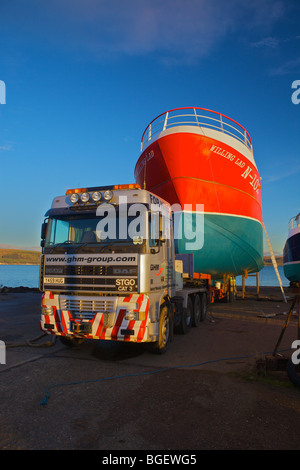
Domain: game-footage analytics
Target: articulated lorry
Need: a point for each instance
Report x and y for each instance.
(109, 269)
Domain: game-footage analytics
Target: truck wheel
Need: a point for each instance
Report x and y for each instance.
(164, 330)
(203, 306)
(197, 311)
(292, 373)
(71, 342)
(186, 318)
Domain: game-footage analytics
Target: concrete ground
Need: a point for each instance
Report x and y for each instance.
(205, 393)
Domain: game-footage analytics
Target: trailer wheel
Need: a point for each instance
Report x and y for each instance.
(165, 329)
(186, 318)
(197, 314)
(203, 306)
(71, 342)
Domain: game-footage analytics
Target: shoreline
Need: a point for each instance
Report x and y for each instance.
(265, 292)
(19, 264)
(19, 289)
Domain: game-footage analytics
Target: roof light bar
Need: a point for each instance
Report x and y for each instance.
(77, 190)
(104, 188)
(127, 186)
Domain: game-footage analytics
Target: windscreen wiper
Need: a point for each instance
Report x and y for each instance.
(84, 244)
(60, 244)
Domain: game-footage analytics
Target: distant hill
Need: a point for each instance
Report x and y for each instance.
(11, 256)
(268, 261)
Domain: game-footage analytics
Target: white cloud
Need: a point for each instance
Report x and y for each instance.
(291, 66)
(291, 171)
(6, 147)
(179, 30)
(266, 42)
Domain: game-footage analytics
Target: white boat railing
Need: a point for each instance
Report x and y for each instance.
(199, 117)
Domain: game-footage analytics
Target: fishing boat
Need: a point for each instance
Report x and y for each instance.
(202, 162)
(291, 251)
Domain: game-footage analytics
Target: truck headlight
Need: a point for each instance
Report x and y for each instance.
(48, 311)
(131, 316)
(85, 197)
(108, 194)
(74, 198)
(96, 196)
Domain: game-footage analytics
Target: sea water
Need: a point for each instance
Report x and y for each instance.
(267, 277)
(12, 275)
(28, 276)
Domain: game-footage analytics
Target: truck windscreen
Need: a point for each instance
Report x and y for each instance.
(77, 230)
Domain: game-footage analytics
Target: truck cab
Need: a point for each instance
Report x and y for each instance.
(108, 267)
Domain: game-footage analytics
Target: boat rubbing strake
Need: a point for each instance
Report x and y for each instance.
(193, 156)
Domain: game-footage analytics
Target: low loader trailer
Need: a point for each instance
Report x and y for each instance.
(109, 270)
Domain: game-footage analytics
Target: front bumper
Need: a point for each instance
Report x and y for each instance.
(124, 318)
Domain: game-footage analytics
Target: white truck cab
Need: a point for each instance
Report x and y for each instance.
(108, 269)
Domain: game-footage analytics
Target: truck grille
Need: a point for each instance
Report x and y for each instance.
(86, 309)
(83, 305)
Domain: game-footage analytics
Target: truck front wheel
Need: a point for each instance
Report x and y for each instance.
(164, 330)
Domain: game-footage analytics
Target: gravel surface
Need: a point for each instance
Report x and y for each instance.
(203, 394)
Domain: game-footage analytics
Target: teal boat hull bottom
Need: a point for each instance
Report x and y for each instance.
(292, 271)
(230, 245)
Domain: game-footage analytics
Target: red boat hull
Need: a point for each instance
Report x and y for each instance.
(187, 168)
(199, 157)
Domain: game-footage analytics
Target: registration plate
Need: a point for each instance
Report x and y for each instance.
(54, 280)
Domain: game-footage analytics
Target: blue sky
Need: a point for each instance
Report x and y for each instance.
(84, 78)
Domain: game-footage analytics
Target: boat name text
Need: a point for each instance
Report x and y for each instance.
(141, 165)
(248, 173)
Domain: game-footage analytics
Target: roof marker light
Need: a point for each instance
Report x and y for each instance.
(77, 190)
(127, 186)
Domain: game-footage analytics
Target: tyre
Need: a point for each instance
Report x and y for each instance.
(71, 342)
(164, 330)
(197, 313)
(203, 306)
(186, 318)
(292, 373)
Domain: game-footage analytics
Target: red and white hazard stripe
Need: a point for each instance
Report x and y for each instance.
(117, 331)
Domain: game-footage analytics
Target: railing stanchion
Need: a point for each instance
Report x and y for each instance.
(166, 120)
